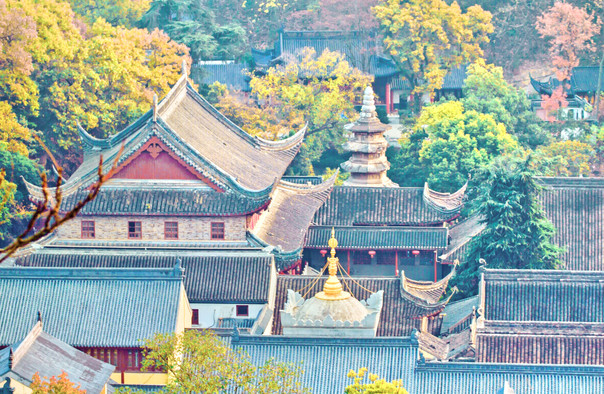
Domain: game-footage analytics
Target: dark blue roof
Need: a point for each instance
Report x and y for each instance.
(455, 79)
(89, 307)
(230, 74)
(370, 237)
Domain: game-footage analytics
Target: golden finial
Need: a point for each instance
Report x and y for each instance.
(332, 289)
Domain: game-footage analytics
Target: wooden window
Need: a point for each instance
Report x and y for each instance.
(217, 230)
(87, 228)
(135, 230)
(171, 230)
(243, 310)
(195, 317)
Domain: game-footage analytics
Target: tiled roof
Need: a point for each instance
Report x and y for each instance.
(583, 80)
(471, 378)
(399, 315)
(286, 220)
(348, 206)
(200, 136)
(210, 276)
(157, 201)
(326, 362)
(369, 237)
(575, 206)
(48, 356)
(359, 49)
(89, 307)
(543, 295)
(428, 292)
(227, 73)
(254, 163)
(541, 316)
(455, 79)
(457, 313)
(461, 234)
(303, 180)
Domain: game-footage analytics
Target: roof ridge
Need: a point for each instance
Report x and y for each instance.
(79, 273)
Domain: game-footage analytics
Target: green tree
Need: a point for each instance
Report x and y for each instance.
(447, 145)
(193, 23)
(200, 362)
(375, 385)
(428, 38)
(486, 91)
(518, 235)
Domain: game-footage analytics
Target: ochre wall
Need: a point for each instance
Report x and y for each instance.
(189, 228)
(141, 378)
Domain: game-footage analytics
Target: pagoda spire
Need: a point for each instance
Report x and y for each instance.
(368, 164)
(332, 289)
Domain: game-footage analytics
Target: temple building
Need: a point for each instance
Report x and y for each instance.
(104, 312)
(186, 177)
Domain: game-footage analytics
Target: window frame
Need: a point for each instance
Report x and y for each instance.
(195, 317)
(166, 232)
(214, 231)
(139, 232)
(85, 233)
(242, 314)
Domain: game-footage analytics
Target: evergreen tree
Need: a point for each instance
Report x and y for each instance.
(517, 235)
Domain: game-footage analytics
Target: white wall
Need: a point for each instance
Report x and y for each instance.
(210, 313)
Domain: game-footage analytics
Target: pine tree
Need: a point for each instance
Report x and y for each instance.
(518, 235)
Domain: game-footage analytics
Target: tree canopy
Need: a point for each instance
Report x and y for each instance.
(517, 234)
(200, 362)
(426, 39)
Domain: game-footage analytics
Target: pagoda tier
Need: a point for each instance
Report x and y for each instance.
(368, 164)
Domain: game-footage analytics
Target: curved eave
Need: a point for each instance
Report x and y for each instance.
(36, 193)
(421, 286)
(540, 87)
(445, 202)
(93, 143)
(322, 187)
(292, 142)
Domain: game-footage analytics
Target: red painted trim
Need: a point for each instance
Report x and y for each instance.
(155, 140)
(435, 269)
(212, 230)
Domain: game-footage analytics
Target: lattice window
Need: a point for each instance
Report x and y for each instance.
(171, 230)
(87, 228)
(217, 230)
(195, 317)
(135, 230)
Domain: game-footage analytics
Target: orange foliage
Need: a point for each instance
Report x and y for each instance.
(569, 30)
(553, 103)
(55, 385)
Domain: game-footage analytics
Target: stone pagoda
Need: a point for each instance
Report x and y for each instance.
(368, 164)
(332, 312)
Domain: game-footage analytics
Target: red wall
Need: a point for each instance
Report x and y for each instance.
(162, 167)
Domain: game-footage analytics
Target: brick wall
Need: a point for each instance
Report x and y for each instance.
(189, 229)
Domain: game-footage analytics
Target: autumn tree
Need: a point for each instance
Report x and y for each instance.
(366, 383)
(117, 12)
(564, 158)
(569, 31)
(54, 385)
(198, 361)
(314, 90)
(428, 38)
(517, 235)
(448, 144)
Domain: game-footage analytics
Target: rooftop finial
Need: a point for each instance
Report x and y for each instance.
(40, 317)
(184, 67)
(11, 358)
(332, 289)
(368, 108)
(155, 107)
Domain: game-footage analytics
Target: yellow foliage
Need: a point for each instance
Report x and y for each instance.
(565, 158)
(375, 385)
(12, 132)
(427, 38)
